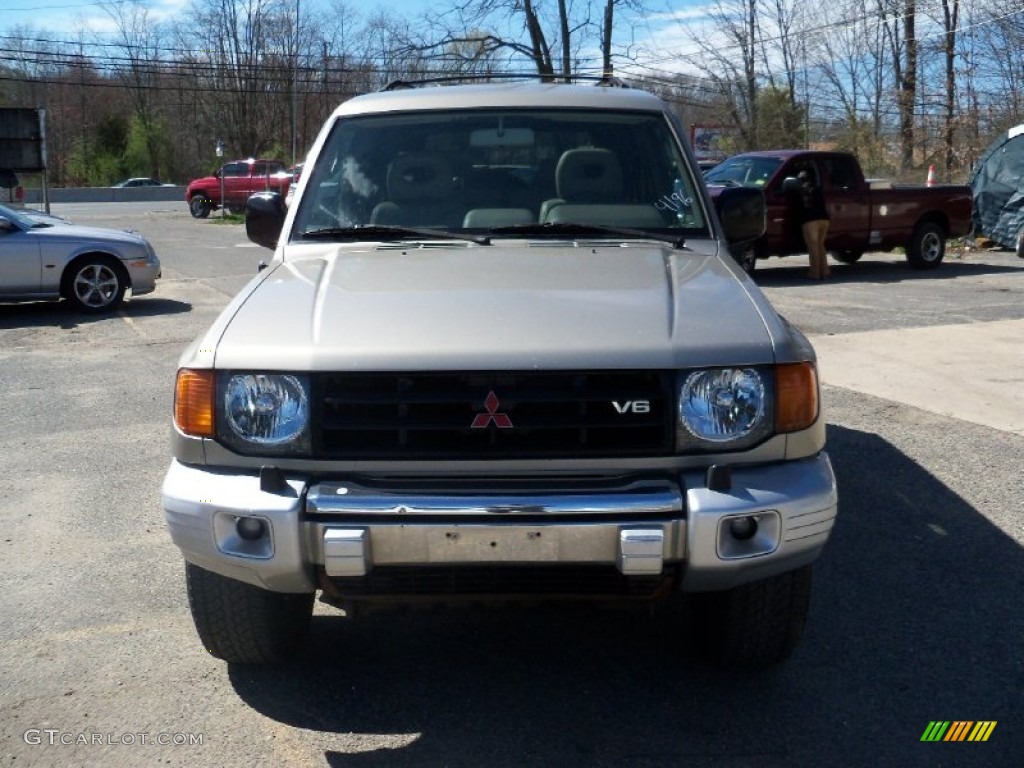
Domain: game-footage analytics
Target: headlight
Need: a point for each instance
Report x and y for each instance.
(266, 410)
(724, 406)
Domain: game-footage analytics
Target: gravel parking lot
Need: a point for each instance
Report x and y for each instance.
(917, 613)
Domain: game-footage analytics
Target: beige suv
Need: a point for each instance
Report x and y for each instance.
(501, 351)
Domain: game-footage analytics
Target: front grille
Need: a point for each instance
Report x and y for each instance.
(578, 581)
(492, 415)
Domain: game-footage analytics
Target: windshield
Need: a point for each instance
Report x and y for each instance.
(16, 216)
(743, 171)
(513, 171)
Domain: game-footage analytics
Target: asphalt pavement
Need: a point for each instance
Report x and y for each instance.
(916, 612)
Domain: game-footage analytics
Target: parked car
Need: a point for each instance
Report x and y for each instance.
(239, 179)
(140, 182)
(876, 216)
(11, 191)
(91, 268)
(500, 353)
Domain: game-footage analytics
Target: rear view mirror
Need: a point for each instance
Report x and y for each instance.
(742, 213)
(264, 218)
(502, 137)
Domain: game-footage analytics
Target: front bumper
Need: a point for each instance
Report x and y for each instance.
(772, 518)
(143, 274)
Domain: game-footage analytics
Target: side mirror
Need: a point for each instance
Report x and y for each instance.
(791, 184)
(742, 212)
(264, 218)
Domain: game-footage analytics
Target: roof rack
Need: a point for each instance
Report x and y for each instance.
(606, 79)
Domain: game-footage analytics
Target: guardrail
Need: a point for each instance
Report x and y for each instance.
(106, 194)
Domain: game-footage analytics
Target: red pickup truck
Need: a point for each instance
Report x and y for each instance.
(240, 179)
(866, 215)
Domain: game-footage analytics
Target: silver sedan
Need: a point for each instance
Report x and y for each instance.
(92, 268)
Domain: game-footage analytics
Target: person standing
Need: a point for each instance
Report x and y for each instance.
(814, 221)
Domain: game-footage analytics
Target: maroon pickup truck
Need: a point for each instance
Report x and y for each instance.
(866, 215)
(239, 180)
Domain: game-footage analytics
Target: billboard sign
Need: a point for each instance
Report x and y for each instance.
(23, 139)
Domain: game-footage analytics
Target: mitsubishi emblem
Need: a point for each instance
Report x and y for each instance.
(501, 420)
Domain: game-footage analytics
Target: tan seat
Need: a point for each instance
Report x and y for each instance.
(497, 217)
(585, 175)
(421, 188)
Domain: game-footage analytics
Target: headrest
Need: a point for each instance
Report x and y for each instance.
(589, 175)
(419, 176)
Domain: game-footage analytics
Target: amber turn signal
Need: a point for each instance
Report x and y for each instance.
(796, 396)
(193, 402)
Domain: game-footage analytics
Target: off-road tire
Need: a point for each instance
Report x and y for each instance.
(94, 283)
(927, 246)
(752, 625)
(244, 624)
(199, 207)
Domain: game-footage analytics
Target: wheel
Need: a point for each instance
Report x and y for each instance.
(95, 283)
(927, 246)
(756, 624)
(1020, 244)
(242, 623)
(846, 257)
(199, 207)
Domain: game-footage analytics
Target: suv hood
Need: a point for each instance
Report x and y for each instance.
(500, 307)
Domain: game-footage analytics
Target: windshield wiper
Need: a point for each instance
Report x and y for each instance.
(388, 232)
(554, 229)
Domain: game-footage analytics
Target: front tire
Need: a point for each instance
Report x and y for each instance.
(244, 624)
(95, 284)
(199, 207)
(927, 246)
(747, 259)
(1020, 244)
(753, 625)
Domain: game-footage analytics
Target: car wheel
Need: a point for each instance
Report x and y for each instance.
(927, 246)
(244, 624)
(1020, 244)
(199, 207)
(95, 283)
(753, 625)
(846, 257)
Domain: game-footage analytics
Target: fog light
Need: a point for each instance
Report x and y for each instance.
(250, 528)
(741, 528)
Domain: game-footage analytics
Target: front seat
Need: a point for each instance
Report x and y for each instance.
(420, 187)
(586, 175)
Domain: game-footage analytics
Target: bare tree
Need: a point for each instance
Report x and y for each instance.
(139, 39)
(728, 59)
(853, 62)
(549, 34)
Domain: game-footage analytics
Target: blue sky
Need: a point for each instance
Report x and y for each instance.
(67, 15)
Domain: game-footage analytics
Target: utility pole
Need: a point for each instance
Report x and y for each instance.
(295, 87)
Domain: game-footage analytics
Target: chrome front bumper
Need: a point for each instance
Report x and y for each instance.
(784, 512)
